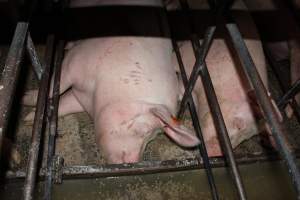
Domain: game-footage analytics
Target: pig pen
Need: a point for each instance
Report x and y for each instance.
(75, 143)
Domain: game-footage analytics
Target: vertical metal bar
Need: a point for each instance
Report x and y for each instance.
(35, 61)
(38, 124)
(201, 55)
(265, 104)
(193, 112)
(200, 68)
(10, 76)
(219, 123)
(53, 108)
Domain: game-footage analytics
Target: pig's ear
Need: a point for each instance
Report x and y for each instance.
(174, 129)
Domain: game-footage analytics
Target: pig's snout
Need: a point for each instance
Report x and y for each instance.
(124, 157)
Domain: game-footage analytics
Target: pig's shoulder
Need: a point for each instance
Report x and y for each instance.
(77, 43)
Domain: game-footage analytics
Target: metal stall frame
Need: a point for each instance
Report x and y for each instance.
(8, 85)
(264, 101)
(11, 70)
(38, 122)
(141, 168)
(52, 120)
(10, 76)
(55, 171)
(289, 91)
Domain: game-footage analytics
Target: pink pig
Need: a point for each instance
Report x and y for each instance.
(129, 88)
(235, 95)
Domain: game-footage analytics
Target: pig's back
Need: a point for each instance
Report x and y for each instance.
(116, 69)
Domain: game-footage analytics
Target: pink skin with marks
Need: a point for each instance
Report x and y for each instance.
(236, 97)
(129, 88)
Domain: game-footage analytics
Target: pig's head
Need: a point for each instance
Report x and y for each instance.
(123, 132)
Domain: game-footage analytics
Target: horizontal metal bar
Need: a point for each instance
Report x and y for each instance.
(10, 76)
(94, 3)
(35, 61)
(38, 123)
(193, 112)
(265, 104)
(145, 167)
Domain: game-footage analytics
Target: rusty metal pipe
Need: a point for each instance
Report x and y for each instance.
(144, 167)
(265, 104)
(10, 76)
(53, 109)
(195, 119)
(219, 122)
(35, 61)
(30, 179)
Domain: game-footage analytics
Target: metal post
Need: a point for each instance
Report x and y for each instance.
(265, 104)
(10, 76)
(38, 124)
(219, 121)
(53, 108)
(194, 116)
(193, 112)
(200, 68)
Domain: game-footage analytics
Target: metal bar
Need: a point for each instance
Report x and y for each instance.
(10, 76)
(38, 124)
(145, 167)
(200, 68)
(194, 116)
(53, 108)
(193, 112)
(201, 54)
(290, 94)
(284, 84)
(35, 61)
(219, 123)
(265, 104)
(93, 3)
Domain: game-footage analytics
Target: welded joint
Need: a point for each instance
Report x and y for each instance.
(203, 49)
(57, 166)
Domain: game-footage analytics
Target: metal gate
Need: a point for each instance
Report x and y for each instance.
(55, 170)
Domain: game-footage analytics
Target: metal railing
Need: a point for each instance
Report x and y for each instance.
(55, 171)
